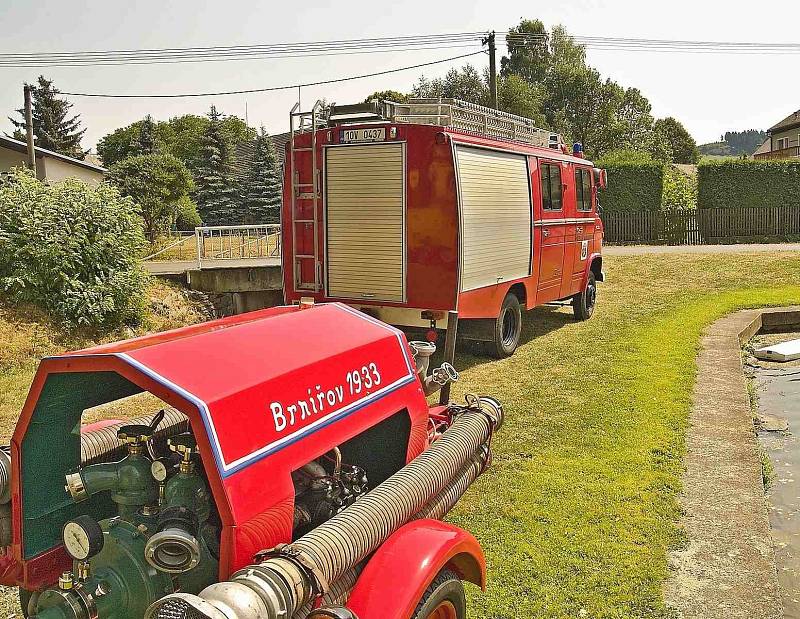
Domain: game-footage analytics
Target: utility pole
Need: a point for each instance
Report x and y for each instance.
(492, 70)
(29, 128)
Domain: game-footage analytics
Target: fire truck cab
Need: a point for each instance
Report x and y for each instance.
(408, 211)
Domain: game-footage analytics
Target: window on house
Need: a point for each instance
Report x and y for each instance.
(782, 143)
(551, 187)
(583, 189)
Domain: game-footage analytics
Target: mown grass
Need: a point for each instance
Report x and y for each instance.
(580, 507)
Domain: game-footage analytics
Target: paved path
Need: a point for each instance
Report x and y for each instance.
(727, 569)
(176, 267)
(640, 250)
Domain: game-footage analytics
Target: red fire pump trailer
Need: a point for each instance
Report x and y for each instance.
(411, 211)
(298, 471)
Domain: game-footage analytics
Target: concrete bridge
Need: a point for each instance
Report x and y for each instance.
(239, 265)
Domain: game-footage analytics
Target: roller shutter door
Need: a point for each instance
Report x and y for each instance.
(364, 191)
(495, 217)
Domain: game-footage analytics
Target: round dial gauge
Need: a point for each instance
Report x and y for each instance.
(159, 470)
(83, 538)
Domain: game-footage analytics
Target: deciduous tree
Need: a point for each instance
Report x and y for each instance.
(156, 183)
(682, 145)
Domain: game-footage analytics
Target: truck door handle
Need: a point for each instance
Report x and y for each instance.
(545, 232)
(579, 229)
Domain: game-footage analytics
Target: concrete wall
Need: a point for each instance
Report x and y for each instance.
(56, 170)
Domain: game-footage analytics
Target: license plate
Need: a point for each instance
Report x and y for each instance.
(363, 135)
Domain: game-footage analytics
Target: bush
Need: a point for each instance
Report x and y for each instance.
(73, 250)
(188, 217)
(680, 190)
(635, 182)
(738, 183)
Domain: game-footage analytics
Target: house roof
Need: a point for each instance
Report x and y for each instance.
(279, 141)
(764, 148)
(22, 147)
(790, 122)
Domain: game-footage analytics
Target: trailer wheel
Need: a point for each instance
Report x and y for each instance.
(583, 303)
(443, 599)
(507, 328)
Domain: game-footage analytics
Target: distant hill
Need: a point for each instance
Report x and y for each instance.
(734, 143)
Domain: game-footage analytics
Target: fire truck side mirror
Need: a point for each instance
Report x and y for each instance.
(600, 178)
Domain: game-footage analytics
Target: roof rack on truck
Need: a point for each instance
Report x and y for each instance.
(453, 113)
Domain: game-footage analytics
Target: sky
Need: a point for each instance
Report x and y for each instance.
(709, 93)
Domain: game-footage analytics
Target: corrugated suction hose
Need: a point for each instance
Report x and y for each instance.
(436, 509)
(279, 586)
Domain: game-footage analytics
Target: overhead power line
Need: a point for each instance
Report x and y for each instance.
(662, 45)
(241, 52)
(271, 88)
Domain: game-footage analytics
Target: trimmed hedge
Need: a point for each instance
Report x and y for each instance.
(633, 186)
(739, 183)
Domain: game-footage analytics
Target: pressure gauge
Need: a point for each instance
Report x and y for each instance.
(83, 538)
(159, 470)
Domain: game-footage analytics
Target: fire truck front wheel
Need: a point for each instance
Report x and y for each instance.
(507, 328)
(583, 303)
(443, 599)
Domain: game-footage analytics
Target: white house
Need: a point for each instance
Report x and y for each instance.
(49, 165)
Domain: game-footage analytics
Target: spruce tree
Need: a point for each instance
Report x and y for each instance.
(147, 136)
(216, 193)
(261, 194)
(52, 127)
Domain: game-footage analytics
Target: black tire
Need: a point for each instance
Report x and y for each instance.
(446, 591)
(583, 303)
(507, 328)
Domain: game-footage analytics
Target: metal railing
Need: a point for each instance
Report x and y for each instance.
(176, 245)
(237, 242)
(471, 117)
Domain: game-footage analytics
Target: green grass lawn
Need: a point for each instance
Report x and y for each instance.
(579, 509)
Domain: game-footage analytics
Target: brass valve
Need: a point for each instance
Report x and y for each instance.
(135, 436)
(66, 581)
(186, 446)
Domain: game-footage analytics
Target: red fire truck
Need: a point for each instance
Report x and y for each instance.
(409, 211)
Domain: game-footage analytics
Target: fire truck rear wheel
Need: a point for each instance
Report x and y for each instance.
(443, 599)
(583, 303)
(507, 328)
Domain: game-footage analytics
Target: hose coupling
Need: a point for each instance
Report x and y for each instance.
(489, 406)
(275, 589)
(76, 487)
(174, 549)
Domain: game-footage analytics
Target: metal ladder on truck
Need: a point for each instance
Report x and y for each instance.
(303, 191)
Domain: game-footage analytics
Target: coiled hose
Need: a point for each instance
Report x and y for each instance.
(103, 445)
(436, 509)
(281, 585)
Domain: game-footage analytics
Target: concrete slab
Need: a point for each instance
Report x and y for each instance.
(727, 569)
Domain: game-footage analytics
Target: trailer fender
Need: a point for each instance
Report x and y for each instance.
(396, 576)
(594, 259)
